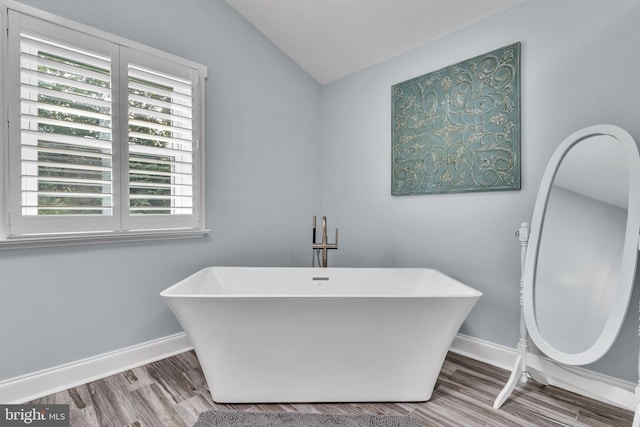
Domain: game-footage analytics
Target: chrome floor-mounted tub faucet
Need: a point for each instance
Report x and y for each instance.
(324, 246)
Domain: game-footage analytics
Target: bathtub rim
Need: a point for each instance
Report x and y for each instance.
(168, 293)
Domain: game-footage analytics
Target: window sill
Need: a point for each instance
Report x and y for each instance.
(71, 239)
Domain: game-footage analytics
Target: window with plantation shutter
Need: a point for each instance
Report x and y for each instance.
(105, 136)
(65, 130)
(161, 143)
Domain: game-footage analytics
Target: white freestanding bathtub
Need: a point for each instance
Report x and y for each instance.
(320, 334)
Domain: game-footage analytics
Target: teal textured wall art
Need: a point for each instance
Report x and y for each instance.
(458, 129)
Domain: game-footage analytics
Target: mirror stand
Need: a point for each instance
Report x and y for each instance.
(521, 370)
(531, 366)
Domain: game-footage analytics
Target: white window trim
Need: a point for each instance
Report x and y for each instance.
(65, 239)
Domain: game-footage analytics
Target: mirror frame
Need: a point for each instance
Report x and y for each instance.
(622, 296)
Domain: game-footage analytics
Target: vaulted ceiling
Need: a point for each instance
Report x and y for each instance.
(331, 39)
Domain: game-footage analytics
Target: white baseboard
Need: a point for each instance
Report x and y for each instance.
(48, 381)
(575, 379)
(43, 383)
(484, 351)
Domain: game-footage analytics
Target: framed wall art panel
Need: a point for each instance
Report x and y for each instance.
(458, 129)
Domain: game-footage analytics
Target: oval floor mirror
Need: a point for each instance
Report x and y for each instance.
(579, 260)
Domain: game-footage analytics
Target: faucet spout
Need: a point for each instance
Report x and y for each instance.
(324, 229)
(324, 245)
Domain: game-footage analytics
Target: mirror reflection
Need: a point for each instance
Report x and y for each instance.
(581, 244)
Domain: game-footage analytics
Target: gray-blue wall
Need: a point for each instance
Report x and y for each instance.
(59, 305)
(579, 62)
(281, 148)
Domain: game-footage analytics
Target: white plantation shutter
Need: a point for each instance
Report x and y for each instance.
(161, 142)
(106, 137)
(65, 99)
(61, 130)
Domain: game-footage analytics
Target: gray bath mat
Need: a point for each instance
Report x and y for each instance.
(288, 419)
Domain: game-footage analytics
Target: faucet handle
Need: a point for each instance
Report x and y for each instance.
(314, 230)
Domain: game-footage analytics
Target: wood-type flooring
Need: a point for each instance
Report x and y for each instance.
(172, 393)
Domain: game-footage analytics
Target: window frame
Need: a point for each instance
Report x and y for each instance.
(153, 227)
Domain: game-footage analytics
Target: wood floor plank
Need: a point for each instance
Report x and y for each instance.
(190, 409)
(173, 392)
(153, 408)
(112, 402)
(169, 374)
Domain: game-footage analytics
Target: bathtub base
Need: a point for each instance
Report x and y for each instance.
(315, 350)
